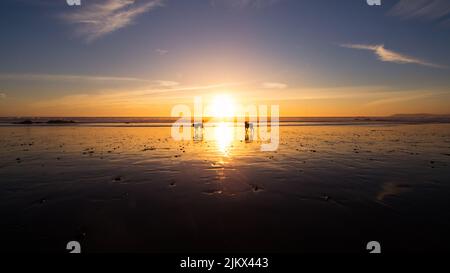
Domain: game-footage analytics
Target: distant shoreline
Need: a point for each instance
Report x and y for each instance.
(64, 121)
(214, 124)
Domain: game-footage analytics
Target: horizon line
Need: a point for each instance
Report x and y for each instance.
(326, 116)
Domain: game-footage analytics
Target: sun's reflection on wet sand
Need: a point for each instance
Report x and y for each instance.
(221, 134)
(224, 136)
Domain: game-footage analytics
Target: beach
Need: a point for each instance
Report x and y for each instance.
(131, 188)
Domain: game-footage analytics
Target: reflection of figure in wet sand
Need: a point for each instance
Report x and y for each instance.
(198, 131)
(248, 131)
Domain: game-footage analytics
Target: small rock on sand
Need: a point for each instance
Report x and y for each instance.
(117, 178)
(212, 192)
(257, 188)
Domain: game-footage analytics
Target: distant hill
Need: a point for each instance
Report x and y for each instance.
(420, 116)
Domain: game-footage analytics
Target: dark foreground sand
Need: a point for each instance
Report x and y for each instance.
(327, 188)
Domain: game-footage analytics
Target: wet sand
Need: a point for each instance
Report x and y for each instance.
(128, 189)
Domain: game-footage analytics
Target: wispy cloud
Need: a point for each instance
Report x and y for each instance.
(61, 77)
(98, 18)
(127, 102)
(407, 96)
(274, 85)
(387, 55)
(2, 96)
(162, 51)
(421, 9)
(111, 81)
(244, 3)
(167, 83)
(327, 93)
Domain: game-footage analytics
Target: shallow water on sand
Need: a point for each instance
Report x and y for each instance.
(327, 188)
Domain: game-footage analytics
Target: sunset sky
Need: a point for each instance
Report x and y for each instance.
(142, 57)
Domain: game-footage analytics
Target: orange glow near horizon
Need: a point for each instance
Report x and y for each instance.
(225, 104)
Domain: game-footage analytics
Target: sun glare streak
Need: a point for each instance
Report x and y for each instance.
(224, 135)
(223, 106)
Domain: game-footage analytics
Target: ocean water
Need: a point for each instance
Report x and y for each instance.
(132, 188)
(168, 121)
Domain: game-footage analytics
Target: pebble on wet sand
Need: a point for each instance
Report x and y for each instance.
(257, 188)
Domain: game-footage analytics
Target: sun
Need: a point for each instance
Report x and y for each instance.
(223, 106)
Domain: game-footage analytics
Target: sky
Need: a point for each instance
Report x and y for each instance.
(143, 57)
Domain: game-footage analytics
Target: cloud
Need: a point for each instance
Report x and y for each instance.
(167, 83)
(325, 93)
(2, 96)
(101, 17)
(421, 9)
(126, 101)
(162, 51)
(274, 85)
(407, 96)
(46, 78)
(61, 77)
(387, 55)
(244, 3)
